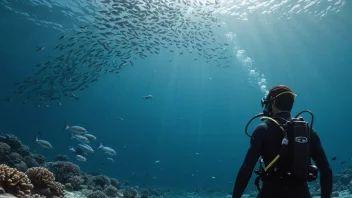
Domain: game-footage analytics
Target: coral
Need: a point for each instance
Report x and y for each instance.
(68, 187)
(21, 166)
(2, 191)
(40, 177)
(14, 181)
(87, 192)
(101, 180)
(44, 182)
(87, 179)
(64, 158)
(4, 149)
(23, 151)
(155, 192)
(57, 189)
(130, 193)
(14, 158)
(39, 158)
(63, 171)
(76, 182)
(110, 191)
(145, 191)
(97, 194)
(116, 183)
(37, 196)
(30, 161)
(11, 140)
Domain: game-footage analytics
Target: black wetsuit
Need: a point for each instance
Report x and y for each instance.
(266, 142)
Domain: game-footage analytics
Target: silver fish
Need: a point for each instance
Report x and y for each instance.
(148, 97)
(76, 129)
(80, 138)
(112, 160)
(107, 150)
(72, 149)
(90, 136)
(86, 148)
(81, 158)
(43, 143)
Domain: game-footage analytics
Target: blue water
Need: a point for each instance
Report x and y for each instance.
(197, 107)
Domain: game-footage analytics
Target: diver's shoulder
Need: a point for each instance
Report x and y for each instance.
(261, 127)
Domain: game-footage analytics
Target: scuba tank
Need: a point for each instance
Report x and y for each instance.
(295, 149)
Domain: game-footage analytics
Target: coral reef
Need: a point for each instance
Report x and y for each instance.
(14, 181)
(30, 161)
(155, 192)
(4, 149)
(145, 192)
(101, 180)
(76, 182)
(40, 176)
(39, 158)
(11, 140)
(23, 151)
(116, 183)
(130, 193)
(97, 194)
(63, 171)
(87, 192)
(44, 182)
(57, 189)
(110, 191)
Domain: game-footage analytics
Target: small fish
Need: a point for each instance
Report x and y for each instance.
(75, 97)
(120, 118)
(43, 143)
(76, 129)
(112, 160)
(72, 149)
(84, 27)
(80, 138)
(157, 161)
(86, 148)
(107, 150)
(334, 158)
(90, 136)
(81, 158)
(148, 97)
(62, 37)
(40, 49)
(343, 162)
(213, 177)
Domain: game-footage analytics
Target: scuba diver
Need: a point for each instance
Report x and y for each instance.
(286, 145)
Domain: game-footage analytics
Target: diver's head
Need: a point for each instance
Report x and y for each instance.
(279, 99)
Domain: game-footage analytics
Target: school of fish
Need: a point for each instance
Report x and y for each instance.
(122, 32)
(83, 149)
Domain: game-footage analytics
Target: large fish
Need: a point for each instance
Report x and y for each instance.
(81, 158)
(107, 150)
(76, 129)
(80, 138)
(86, 148)
(90, 136)
(43, 143)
